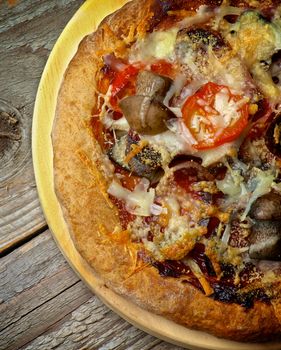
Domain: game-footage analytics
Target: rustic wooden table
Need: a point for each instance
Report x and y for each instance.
(43, 304)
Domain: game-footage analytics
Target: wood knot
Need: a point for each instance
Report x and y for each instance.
(14, 143)
(9, 130)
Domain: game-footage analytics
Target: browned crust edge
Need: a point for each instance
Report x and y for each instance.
(78, 185)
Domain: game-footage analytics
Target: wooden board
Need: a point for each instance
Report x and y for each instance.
(28, 32)
(84, 22)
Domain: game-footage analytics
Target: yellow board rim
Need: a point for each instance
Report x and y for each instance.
(80, 25)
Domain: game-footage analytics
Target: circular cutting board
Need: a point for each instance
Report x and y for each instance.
(84, 22)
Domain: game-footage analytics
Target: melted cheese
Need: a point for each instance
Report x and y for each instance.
(244, 189)
(255, 40)
(258, 186)
(137, 202)
(119, 124)
(215, 155)
(158, 45)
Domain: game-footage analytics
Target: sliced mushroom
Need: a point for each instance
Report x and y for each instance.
(152, 85)
(198, 40)
(267, 207)
(145, 115)
(147, 163)
(273, 136)
(266, 240)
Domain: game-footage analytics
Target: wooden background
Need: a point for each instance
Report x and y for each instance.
(43, 304)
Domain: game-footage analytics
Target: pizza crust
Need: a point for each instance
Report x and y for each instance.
(80, 186)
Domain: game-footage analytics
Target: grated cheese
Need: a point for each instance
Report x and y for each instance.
(135, 149)
(199, 274)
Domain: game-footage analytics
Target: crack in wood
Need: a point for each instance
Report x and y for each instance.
(16, 244)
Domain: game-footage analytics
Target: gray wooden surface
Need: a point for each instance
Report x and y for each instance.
(43, 304)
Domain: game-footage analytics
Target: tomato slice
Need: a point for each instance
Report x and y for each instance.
(122, 80)
(215, 115)
(163, 67)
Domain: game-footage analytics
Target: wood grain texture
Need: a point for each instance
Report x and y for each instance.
(93, 326)
(28, 32)
(43, 305)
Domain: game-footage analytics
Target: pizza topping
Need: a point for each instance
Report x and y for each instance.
(152, 85)
(164, 68)
(259, 184)
(244, 187)
(266, 237)
(273, 136)
(114, 125)
(198, 40)
(116, 64)
(267, 207)
(255, 153)
(122, 83)
(275, 68)
(256, 40)
(203, 14)
(190, 172)
(157, 45)
(215, 116)
(135, 149)
(172, 268)
(145, 115)
(208, 290)
(144, 111)
(139, 201)
(266, 240)
(137, 157)
(220, 153)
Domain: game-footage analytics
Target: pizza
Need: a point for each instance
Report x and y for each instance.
(167, 160)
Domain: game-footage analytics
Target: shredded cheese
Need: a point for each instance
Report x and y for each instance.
(198, 274)
(135, 149)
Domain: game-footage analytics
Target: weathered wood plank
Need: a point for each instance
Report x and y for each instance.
(36, 322)
(43, 305)
(28, 32)
(37, 289)
(30, 276)
(93, 326)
